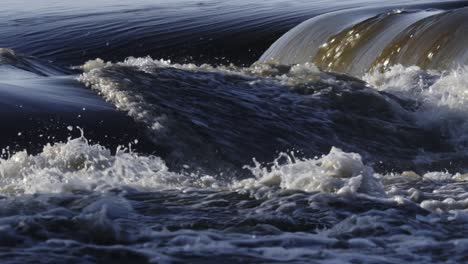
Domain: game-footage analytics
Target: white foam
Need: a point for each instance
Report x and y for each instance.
(116, 92)
(117, 89)
(443, 96)
(442, 192)
(286, 75)
(94, 64)
(433, 89)
(438, 176)
(442, 100)
(338, 172)
(76, 164)
(448, 204)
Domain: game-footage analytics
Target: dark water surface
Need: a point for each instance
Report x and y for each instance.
(233, 131)
(186, 31)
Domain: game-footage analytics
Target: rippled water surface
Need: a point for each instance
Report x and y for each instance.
(233, 131)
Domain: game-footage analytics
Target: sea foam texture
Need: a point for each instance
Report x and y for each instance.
(443, 96)
(337, 172)
(78, 165)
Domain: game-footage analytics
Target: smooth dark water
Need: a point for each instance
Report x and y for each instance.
(233, 131)
(217, 32)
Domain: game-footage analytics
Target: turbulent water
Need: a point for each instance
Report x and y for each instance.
(157, 132)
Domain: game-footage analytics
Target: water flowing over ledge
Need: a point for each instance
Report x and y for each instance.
(134, 159)
(355, 42)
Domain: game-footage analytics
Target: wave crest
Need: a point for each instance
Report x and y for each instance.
(355, 42)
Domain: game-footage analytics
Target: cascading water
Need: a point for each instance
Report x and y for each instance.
(155, 132)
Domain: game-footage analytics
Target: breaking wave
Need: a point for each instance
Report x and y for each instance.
(423, 111)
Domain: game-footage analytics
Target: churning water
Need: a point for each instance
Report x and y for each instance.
(233, 131)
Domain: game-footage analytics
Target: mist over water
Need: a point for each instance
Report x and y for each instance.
(235, 131)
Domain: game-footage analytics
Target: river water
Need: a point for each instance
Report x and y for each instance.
(236, 131)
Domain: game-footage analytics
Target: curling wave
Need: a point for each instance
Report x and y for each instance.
(233, 114)
(355, 42)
